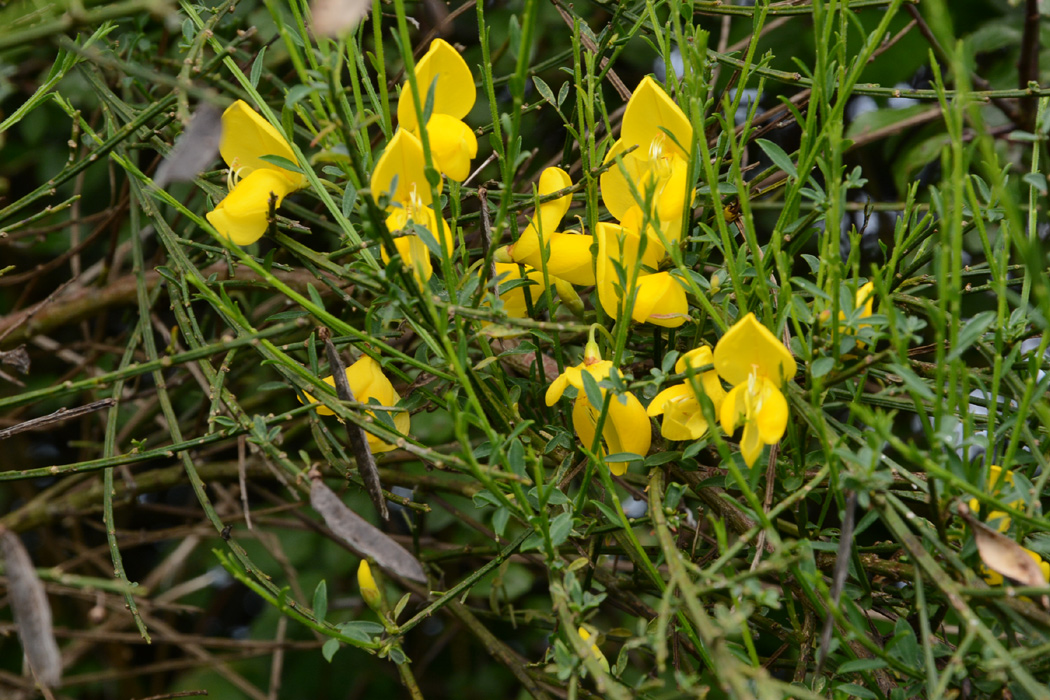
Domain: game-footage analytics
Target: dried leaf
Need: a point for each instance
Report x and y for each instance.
(363, 537)
(335, 18)
(17, 358)
(31, 610)
(1004, 556)
(194, 149)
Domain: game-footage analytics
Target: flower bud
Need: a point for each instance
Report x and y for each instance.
(369, 591)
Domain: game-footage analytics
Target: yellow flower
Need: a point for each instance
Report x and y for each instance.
(514, 304)
(757, 364)
(367, 381)
(242, 215)
(570, 253)
(367, 583)
(660, 299)
(598, 655)
(997, 482)
(680, 405)
(626, 427)
(452, 143)
(399, 174)
(657, 163)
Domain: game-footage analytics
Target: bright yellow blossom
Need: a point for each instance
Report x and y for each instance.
(399, 174)
(452, 143)
(367, 381)
(242, 216)
(658, 162)
(626, 427)
(660, 298)
(570, 252)
(757, 364)
(680, 405)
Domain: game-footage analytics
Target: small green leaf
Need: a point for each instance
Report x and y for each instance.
(560, 528)
(779, 157)
(970, 332)
(544, 90)
(821, 366)
(257, 67)
(321, 601)
(594, 394)
(329, 649)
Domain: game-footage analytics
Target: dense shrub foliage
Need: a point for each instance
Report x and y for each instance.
(524, 349)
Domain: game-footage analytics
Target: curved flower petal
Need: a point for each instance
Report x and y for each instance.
(367, 381)
(570, 255)
(750, 443)
(661, 301)
(627, 429)
(750, 347)
(649, 109)
(771, 414)
(614, 182)
(683, 417)
(584, 420)
(454, 93)
(452, 146)
(669, 395)
(733, 408)
(866, 299)
(549, 214)
(414, 254)
(558, 387)
(400, 171)
(242, 216)
(514, 304)
(246, 136)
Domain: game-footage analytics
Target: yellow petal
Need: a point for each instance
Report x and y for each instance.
(400, 171)
(660, 301)
(242, 216)
(570, 255)
(614, 182)
(649, 109)
(733, 408)
(452, 146)
(584, 420)
(771, 417)
(246, 136)
(683, 417)
(367, 381)
(414, 255)
(514, 304)
(749, 346)
(549, 214)
(674, 393)
(866, 299)
(556, 389)
(454, 93)
(750, 444)
(627, 429)
(697, 358)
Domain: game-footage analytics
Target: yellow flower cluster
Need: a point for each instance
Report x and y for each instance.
(748, 357)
